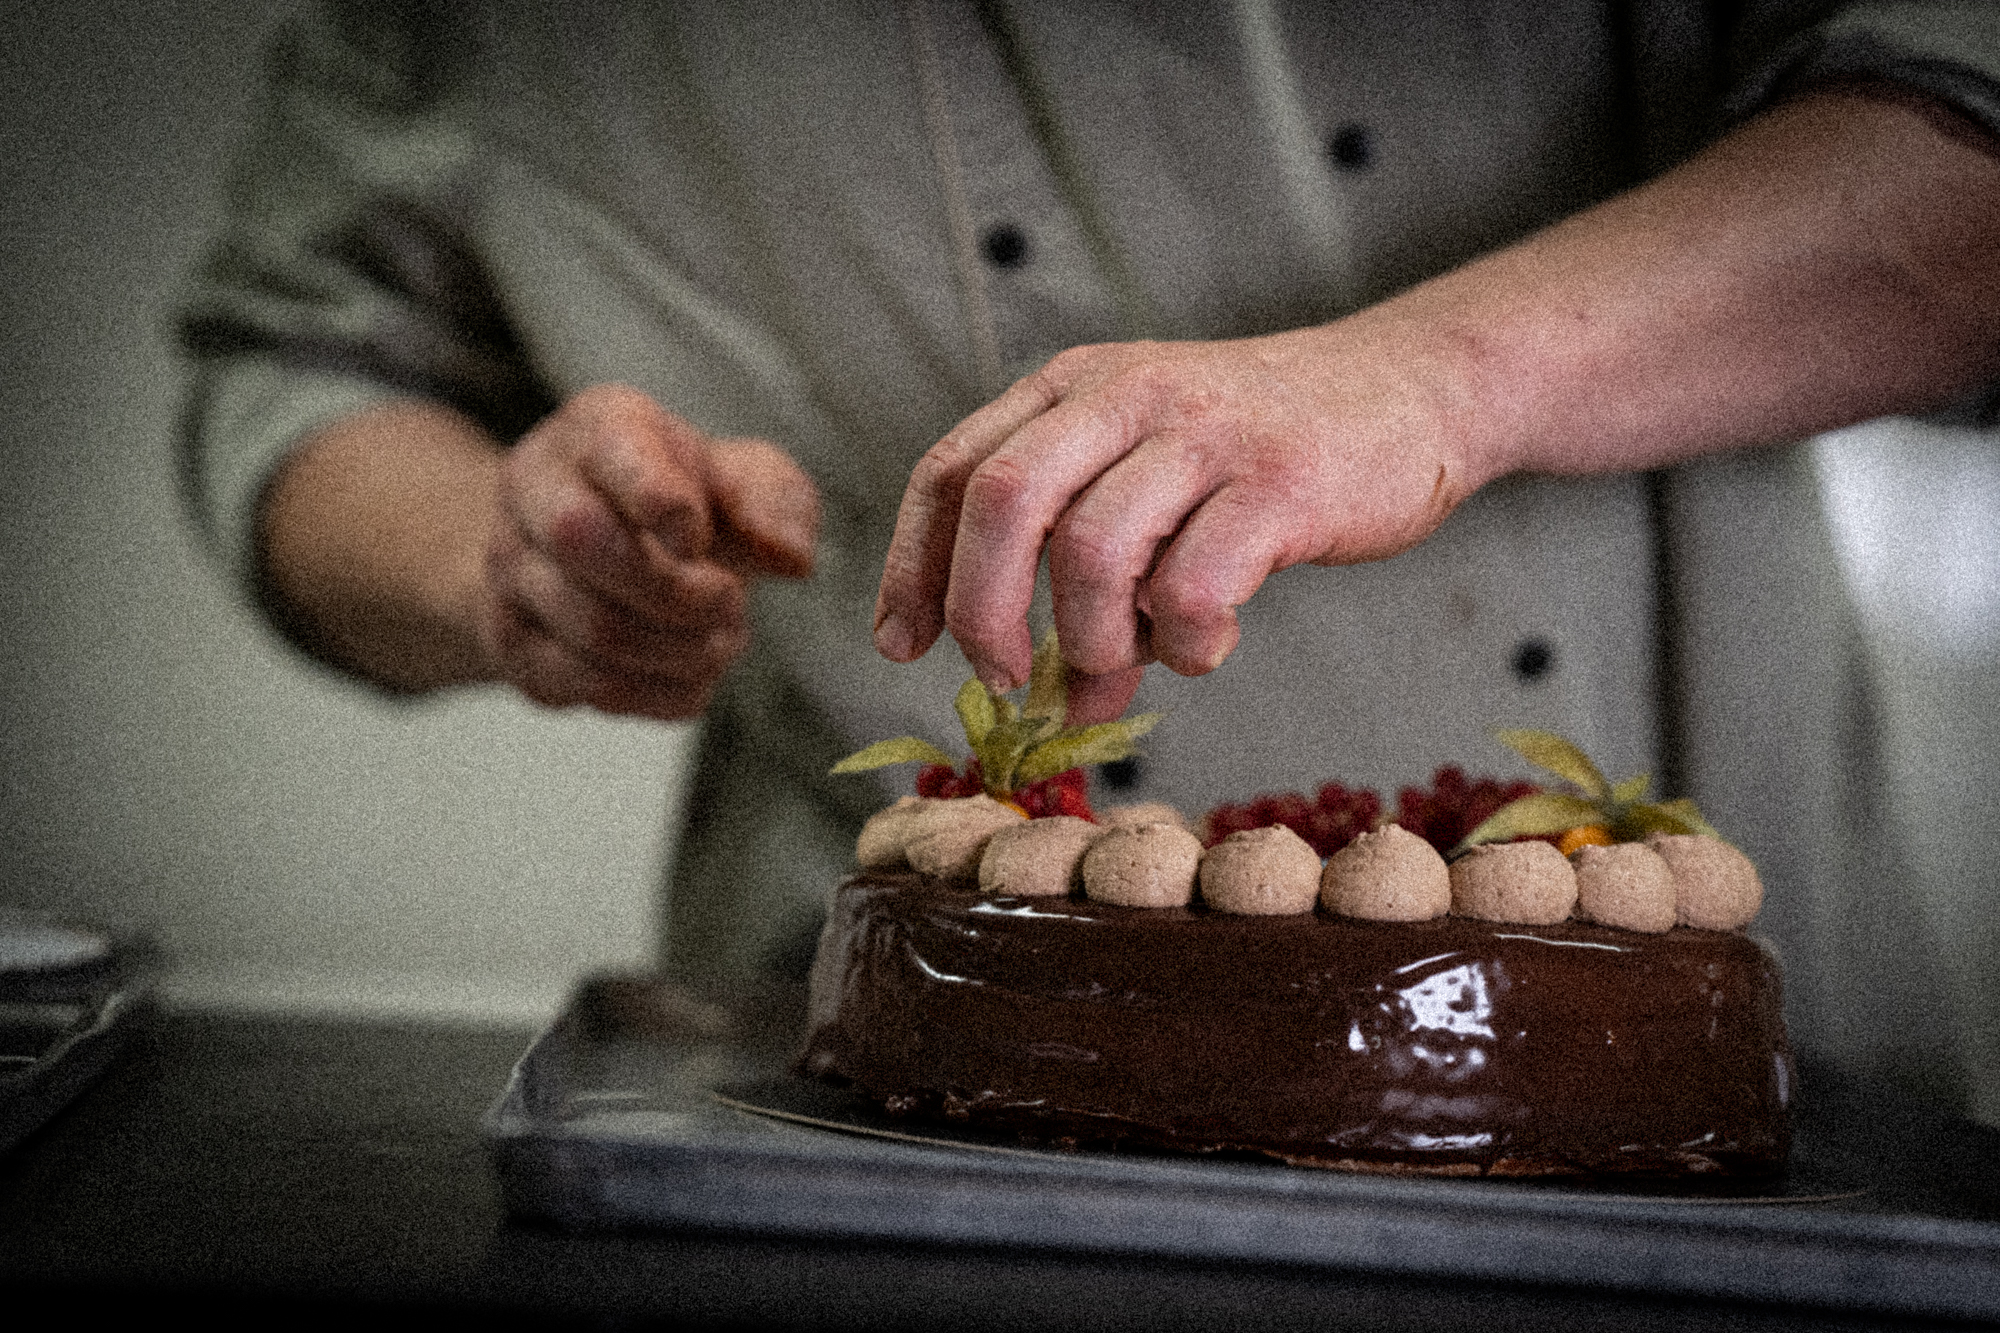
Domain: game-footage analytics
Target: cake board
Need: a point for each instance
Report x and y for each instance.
(635, 1109)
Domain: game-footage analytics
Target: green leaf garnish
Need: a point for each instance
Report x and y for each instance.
(1074, 747)
(1545, 749)
(1683, 809)
(1631, 789)
(1544, 812)
(974, 706)
(1017, 744)
(1048, 682)
(1618, 808)
(1000, 752)
(902, 750)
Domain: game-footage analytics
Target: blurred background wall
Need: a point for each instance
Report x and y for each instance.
(299, 843)
(294, 841)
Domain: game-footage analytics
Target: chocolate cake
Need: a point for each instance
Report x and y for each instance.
(1449, 1046)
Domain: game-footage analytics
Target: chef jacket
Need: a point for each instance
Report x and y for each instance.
(843, 224)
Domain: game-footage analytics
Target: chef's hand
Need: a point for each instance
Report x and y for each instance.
(1167, 481)
(622, 550)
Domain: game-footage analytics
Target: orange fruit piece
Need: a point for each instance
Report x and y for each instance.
(1584, 835)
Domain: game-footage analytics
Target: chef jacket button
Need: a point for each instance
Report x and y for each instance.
(1533, 659)
(1351, 147)
(1120, 774)
(1005, 246)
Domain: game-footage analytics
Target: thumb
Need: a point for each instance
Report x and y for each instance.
(767, 509)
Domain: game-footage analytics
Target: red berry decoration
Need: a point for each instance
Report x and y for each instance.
(1328, 823)
(1021, 751)
(1067, 793)
(1453, 807)
(942, 780)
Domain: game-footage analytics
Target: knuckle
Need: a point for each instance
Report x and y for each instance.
(944, 465)
(578, 529)
(1046, 383)
(1098, 644)
(1162, 382)
(1068, 366)
(1000, 487)
(1089, 553)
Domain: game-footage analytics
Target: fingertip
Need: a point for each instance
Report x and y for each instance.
(894, 639)
(768, 505)
(908, 611)
(1101, 698)
(998, 679)
(1197, 649)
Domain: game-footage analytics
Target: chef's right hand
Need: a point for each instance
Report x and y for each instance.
(621, 553)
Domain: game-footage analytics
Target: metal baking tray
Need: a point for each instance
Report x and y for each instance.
(69, 995)
(643, 1106)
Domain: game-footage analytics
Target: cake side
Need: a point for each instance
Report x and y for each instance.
(1451, 1046)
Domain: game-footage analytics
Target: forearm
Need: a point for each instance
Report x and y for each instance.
(1836, 259)
(374, 535)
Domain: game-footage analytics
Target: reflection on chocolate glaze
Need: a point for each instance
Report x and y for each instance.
(1450, 1045)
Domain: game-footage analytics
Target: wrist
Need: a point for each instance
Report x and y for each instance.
(375, 533)
(1420, 385)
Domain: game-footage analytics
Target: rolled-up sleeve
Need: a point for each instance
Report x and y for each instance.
(1948, 51)
(344, 277)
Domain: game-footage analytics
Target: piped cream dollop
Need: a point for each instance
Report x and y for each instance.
(1627, 885)
(947, 837)
(1389, 874)
(885, 839)
(1715, 886)
(1141, 812)
(1517, 883)
(1143, 865)
(1038, 858)
(1261, 872)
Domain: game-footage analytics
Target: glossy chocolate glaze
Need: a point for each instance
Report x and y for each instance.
(1453, 1046)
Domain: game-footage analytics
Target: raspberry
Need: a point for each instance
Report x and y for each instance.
(1064, 794)
(1453, 807)
(1327, 823)
(939, 780)
(1067, 793)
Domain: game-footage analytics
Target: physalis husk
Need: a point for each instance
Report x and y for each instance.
(1017, 744)
(1620, 808)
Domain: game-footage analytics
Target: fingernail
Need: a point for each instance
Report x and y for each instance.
(1220, 650)
(997, 679)
(893, 638)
